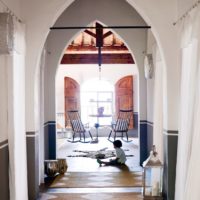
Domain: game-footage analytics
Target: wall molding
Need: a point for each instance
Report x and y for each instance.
(170, 132)
(31, 134)
(49, 123)
(165, 131)
(146, 122)
(3, 144)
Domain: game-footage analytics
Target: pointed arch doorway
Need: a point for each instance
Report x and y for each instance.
(117, 67)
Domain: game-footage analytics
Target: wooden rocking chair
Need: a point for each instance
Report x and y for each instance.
(77, 126)
(122, 124)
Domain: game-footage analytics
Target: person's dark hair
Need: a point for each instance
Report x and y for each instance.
(117, 143)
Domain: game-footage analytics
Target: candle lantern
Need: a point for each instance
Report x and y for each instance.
(152, 177)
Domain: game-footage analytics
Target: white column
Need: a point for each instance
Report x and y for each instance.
(13, 104)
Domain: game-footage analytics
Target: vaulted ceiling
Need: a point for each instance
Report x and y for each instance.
(84, 49)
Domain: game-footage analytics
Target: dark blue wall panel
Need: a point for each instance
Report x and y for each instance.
(4, 171)
(146, 139)
(143, 142)
(50, 140)
(170, 158)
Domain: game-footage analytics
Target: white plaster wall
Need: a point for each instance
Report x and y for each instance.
(39, 17)
(15, 122)
(121, 13)
(18, 150)
(12, 118)
(184, 6)
(150, 99)
(41, 116)
(3, 98)
(150, 82)
(82, 73)
(161, 15)
(13, 6)
(151, 41)
(136, 93)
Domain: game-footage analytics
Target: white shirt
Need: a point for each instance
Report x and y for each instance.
(120, 155)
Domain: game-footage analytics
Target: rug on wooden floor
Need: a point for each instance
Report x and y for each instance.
(92, 196)
(98, 179)
(102, 153)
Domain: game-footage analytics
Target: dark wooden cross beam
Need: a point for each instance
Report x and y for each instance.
(99, 36)
(99, 42)
(104, 27)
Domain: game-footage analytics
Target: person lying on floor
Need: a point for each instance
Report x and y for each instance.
(120, 155)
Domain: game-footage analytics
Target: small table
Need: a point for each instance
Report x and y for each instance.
(97, 125)
(96, 140)
(99, 116)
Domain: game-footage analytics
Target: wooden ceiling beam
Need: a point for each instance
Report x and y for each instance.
(107, 34)
(90, 33)
(86, 48)
(93, 59)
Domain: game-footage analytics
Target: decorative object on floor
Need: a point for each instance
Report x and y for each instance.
(51, 167)
(152, 177)
(100, 155)
(62, 165)
(98, 180)
(94, 154)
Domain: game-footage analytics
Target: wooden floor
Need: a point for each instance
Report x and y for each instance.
(90, 165)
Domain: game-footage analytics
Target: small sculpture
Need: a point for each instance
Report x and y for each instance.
(100, 111)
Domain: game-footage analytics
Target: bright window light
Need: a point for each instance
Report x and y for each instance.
(97, 93)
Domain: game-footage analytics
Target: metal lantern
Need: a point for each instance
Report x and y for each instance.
(152, 177)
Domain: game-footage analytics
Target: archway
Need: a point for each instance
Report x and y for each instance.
(112, 71)
(55, 46)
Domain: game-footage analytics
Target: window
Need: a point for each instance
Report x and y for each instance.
(97, 94)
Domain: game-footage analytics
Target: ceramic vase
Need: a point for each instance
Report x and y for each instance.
(51, 167)
(62, 165)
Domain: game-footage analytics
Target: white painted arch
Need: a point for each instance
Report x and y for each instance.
(43, 14)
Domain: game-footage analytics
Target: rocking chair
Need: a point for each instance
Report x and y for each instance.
(122, 124)
(77, 126)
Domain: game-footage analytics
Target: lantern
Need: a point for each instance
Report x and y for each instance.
(152, 177)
